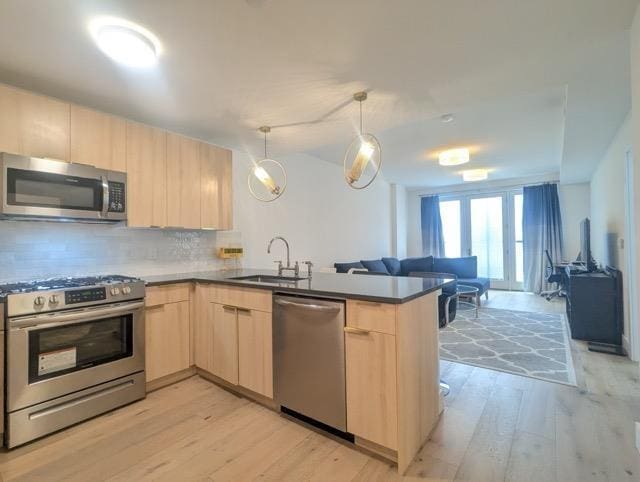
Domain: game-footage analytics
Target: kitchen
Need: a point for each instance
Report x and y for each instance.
(116, 288)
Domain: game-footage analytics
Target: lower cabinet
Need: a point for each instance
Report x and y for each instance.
(371, 386)
(234, 342)
(225, 342)
(255, 351)
(166, 339)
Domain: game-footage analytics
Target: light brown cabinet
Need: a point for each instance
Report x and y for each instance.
(166, 339)
(146, 165)
(371, 387)
(173, 181)
(234, 342)
(255, 351)
(33, 125)
(167, 330)
(97, 139)
(225, 342)
(215, 187)
(183, 182)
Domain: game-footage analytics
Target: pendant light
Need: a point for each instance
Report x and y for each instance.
(270, 173)
(363, 157)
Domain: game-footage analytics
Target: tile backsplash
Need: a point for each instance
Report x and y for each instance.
(31, 250)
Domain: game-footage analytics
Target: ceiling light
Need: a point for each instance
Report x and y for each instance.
(363, 151)
(475, 175)
(269, 188)
(446, 118)
(454, 157)
(125, 42)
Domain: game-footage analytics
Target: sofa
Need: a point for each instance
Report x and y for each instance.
(463, 270)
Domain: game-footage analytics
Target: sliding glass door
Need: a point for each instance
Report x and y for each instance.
(488, 226)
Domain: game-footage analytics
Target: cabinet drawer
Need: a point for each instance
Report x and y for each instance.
(160, 295)
(379, 317)
(241, 297)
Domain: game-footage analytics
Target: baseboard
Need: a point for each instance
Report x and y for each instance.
(170, 379)
(377, 449)
(238, 390)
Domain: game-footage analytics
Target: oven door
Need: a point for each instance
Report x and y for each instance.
(47, 188)
(56, 354)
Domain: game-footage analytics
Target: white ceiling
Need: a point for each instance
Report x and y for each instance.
(535, 87)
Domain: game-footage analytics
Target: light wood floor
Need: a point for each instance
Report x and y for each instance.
(496, 427)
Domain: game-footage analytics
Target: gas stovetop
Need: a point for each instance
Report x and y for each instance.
(55, 294)
(62, 283)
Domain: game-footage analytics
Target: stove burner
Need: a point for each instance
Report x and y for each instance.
(62, 283)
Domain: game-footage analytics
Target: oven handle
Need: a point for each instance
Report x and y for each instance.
(61, 319)
(105, 196)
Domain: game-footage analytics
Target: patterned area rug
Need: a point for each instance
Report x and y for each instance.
(530, 344)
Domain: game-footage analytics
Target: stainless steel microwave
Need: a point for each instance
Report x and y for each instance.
(48, 189)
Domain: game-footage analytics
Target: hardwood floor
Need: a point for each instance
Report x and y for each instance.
(496, 427)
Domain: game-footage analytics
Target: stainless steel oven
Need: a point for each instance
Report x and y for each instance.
(44, 188)
(68, 365)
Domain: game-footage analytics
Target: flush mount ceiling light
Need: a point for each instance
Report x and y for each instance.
(454, 157)
(270, 173)
(472, 175)
(364, 151)
(125, 42)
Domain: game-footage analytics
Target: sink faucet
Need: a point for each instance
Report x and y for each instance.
(295, 269)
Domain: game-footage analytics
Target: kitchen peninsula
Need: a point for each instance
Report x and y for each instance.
(220, 324)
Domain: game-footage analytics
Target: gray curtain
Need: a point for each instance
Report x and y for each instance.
(432, 238)
(541, 229)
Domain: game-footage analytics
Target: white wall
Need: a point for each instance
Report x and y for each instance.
(608, 210)
(322, 218)
(575, 200)
(398, 221)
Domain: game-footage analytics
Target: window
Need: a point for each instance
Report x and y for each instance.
(450, 215)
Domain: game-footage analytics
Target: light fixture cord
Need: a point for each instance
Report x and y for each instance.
(265, 145)
(361, 130)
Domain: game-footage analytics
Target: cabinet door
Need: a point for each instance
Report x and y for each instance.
(146, 176)
(183, 182)
(216, 201)
(97, 139)
(33, 125)
(225, 342)
(255, 352)
(203, 329)
(371, 387)
(166, 339)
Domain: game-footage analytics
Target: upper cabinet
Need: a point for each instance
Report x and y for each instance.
(146, 176)
(216, 195)
(183, 182)
(172, 180)
(33, 125)
(97, 139)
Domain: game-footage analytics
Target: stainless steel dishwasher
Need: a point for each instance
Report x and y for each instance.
(308, 355)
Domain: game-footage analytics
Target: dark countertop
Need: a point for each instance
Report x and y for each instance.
(382, 289)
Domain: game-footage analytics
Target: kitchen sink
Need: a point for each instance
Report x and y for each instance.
(265, 278)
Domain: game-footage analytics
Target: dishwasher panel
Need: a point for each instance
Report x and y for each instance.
(308, 357)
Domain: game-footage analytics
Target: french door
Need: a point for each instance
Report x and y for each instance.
(489, 226)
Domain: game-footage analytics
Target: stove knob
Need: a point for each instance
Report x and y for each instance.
(115, 291)
(126, 290)
(53, 299)
(39, 301)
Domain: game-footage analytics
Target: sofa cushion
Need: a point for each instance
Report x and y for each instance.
(393, 266)
(344, 267)
(462, 267)
(416, 264)
(483, 284)
(375, 265)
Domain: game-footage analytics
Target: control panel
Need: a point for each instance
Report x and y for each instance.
(117, 194)
(85, 295)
